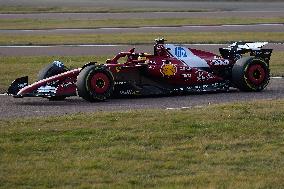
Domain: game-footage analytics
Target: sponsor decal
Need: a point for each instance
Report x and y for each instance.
(203, 76)
(120, 82)
(46, 89)
(52, 83)
(68, 84)
(141, 58)
(129, 92)
(185, 68)
(168, 70)
(187, 56)
(22, 85)
(150, 61)
(180, 52)
(187, 75)
(207, 87)
(219, 62)
(58, 64)
(217, 57)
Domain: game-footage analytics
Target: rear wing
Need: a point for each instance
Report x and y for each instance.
(237, 49)
(247, 45)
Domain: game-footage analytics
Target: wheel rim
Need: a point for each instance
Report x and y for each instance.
(256, 74)
(100, 83)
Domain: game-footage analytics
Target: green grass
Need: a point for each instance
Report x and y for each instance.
(277, 64)
(140, 38)
(220, 146)
(17, 66)
(87, 23)
(107, 8)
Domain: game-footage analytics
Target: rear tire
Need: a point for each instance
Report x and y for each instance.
(250, 74)
(95, 83)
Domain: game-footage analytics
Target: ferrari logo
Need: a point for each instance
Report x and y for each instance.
(118, 68)
(168, 70)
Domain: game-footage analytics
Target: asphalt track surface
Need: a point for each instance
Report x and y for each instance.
(30, 107)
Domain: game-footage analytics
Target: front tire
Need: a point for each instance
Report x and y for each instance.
(250, 74)
(95, 83)
(50, 70)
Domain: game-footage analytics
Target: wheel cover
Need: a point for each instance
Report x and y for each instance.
(256, 74)
(100, 83)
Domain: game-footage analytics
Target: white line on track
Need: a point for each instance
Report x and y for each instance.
(244, 25)
(181, 108)
(236, 11)
(185, 107)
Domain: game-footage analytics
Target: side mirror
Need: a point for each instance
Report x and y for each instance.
(132, 50)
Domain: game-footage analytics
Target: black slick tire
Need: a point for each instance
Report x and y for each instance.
(49, 71)
(95, 83)
(250, 74)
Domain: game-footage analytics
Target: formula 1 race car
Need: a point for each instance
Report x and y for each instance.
(171, 69)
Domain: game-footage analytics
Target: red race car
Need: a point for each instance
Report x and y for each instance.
(170, 70)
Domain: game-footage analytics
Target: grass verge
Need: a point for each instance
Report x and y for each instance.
(221, 146)
(105, 7)
(13, 67)
(87, 23)
(140, 38)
